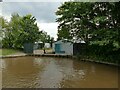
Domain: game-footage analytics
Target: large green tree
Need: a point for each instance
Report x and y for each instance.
(97, 22)
(20, 30)
(29, 29)
(4, 33)
(12, 32)
(15, 28)
(3, 26)
(72, 19)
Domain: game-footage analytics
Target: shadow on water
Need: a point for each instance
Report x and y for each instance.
(44, 72)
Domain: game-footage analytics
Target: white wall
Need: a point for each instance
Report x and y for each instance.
(68, 48)
(47, 45)
(65, 46)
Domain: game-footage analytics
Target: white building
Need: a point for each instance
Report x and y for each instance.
(66, 47)
(47, 45)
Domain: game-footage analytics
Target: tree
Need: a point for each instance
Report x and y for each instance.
(64, 33)
(15, 29)
(44, 37)
(3, 22)
(97, 23)
(72, 19)
(51, 41)
(116, 21)
(91, 22)
(3, 32)
(29, 29)
(12, 31)
(3, 26)
(20, 30)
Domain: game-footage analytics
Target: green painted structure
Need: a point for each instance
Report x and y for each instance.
(28, 47)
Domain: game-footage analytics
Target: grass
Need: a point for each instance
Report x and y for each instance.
(9, 51)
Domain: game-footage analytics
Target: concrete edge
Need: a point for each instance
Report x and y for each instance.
(60, 56)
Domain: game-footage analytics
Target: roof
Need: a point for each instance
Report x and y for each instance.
(39, 42)
(72, 41)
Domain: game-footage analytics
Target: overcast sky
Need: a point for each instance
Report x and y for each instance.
(43, 11)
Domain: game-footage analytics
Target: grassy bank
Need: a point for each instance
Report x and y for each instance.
(9, 51)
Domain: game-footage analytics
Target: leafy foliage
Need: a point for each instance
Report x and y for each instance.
(97, 23)
(21, 30)
(29, 29)
(89, 21)
(45, 38)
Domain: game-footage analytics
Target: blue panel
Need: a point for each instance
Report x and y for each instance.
(57, 48)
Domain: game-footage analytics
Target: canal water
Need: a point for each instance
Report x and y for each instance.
(45, 72)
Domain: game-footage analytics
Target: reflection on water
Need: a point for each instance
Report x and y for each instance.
(37, 72)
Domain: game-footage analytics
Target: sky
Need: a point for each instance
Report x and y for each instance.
(43, 11)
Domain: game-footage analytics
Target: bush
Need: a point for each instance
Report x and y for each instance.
(106, 53)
